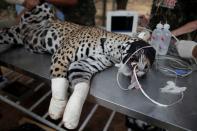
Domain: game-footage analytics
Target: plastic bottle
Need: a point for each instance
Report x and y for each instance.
(166, 38)
(156, 38)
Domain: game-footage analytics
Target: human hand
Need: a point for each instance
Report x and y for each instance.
(29, 4)
(143, 21)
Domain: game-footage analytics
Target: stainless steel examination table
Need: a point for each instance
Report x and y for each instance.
(105, 91)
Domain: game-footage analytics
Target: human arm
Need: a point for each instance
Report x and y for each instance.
(61, 2)
(29, 4)
(143, 20)
(15, 1)
(187, 28)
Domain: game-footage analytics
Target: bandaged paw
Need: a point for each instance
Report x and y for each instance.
(74, 106)
(56, 108)
(59, 97)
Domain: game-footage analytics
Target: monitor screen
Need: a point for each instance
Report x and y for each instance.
(124, 22)
(121, 23)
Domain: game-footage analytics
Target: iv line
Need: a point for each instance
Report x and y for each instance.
(141, 89)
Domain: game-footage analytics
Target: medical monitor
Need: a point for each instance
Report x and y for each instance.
(124, 22)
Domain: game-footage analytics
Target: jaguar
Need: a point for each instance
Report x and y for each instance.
(78, 53)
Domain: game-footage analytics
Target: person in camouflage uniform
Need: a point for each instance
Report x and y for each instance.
(82, 13)
(175, 12)
(121, 4)
(77, 11)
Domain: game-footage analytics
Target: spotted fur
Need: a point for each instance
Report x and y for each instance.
(39, 32)
(90, 50)
(78, 51)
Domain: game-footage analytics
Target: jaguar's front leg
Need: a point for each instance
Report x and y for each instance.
(59, 85)
(74, 106)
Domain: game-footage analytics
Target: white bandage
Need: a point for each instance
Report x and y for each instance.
(15, 1)
(74, 106)
(59, 97)
(185, 48)
(59, 88)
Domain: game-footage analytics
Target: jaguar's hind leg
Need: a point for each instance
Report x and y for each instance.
(80, 73)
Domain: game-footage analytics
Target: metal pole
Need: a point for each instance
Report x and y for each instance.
(109, 121)
(88, 117)
(104, 11)
(31, 113)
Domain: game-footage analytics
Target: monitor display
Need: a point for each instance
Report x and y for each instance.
(121, 23)
(124, 22)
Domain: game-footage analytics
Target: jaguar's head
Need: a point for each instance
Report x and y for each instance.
(137, 53)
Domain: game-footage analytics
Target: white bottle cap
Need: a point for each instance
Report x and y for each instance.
(159, 26)
(166, 26)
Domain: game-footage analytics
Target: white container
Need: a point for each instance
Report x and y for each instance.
(156, 38)
(166, 38)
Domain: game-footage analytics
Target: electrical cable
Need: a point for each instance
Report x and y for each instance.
(140, 27)
(117, 76)
(152, 100)
(185, 67)
(141, 89)
(179, 67)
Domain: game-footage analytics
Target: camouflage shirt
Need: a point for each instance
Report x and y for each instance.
(83, 13)
(174, 12)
